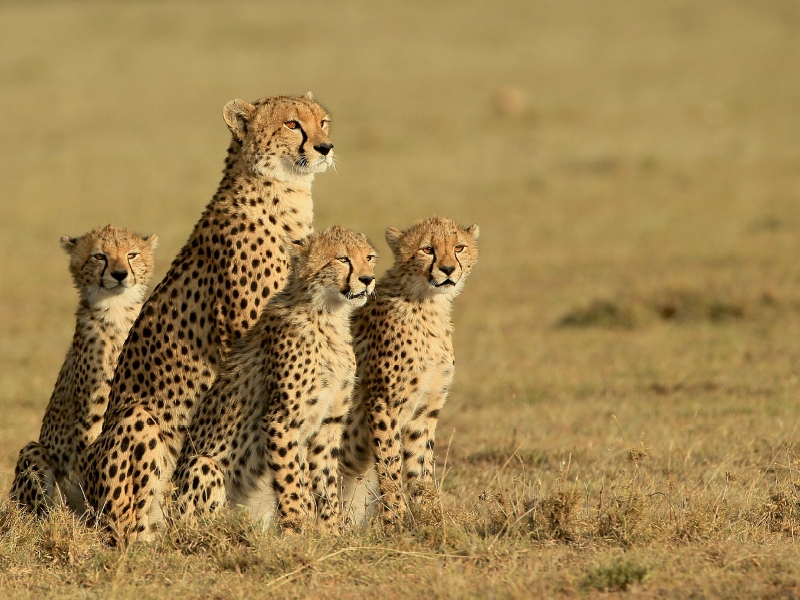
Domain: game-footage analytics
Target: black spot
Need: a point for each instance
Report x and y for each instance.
(139, 451)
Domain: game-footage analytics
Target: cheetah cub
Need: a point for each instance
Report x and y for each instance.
(403, 345)
(111, 268)
(267, 435)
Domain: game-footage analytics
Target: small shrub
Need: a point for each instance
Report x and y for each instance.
(622, 520)
(780, 513)
(600, 313)
(499, 456)
(554, 517)
(616, 577)
(698, 522)
(690, 305)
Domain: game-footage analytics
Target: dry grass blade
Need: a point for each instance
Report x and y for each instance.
(286, 578)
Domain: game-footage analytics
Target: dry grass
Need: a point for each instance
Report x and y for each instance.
(625, 414)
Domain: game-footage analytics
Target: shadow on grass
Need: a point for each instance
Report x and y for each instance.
(670, 305)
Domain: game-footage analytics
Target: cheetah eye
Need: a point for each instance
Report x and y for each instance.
(459, 248)
(427, 250)
(291, 124)
(344, 259)
(324, 123)
(371, 257)
(99, 256)
(132, 255)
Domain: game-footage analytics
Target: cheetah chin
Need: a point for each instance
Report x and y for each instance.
(306, 167)
(117, 288)
(445, 283)
(359, 298)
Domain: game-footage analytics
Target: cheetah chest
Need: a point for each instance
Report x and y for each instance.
(430, 380)
(334, 382)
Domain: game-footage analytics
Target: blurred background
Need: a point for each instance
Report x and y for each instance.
(634, 168)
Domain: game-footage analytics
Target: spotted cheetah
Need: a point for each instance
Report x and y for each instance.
(111, 269)
(233, 262)
(403, 346)
(274, 416)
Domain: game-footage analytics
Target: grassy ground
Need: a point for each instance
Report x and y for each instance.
(625, 415)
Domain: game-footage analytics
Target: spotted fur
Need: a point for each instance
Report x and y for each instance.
(403, 345)
(268, 432)
(111, 269)
(233, 263)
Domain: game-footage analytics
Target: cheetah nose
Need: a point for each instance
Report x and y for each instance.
(119, 275)
(323, 148)
(447, 270)
(366, 279)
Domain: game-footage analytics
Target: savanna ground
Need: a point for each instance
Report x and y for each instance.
(625, 415)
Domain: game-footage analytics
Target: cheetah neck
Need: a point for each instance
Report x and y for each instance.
(266, 198)
(430, 314)
(112, 313)
(324, 317)
(237, 167)
(106, 323)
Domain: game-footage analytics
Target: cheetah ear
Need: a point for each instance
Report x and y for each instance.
(393, 237)
(474, 231)
(310, 96)
(68, 243)
(237, 114)
(152, 241)
(297, 255)
(296, 247)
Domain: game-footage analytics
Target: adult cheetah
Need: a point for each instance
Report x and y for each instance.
(270, 427)
(111, 269)
(404, 350)
(233, 262)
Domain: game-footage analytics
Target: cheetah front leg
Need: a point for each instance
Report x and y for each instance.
(34, 487)
(418, 444)
(122, 471)
(385, 435)
(357, 468)
(286, 462)
(199, 488)
(324, 450)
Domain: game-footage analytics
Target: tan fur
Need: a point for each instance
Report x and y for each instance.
(111, 269)
(233, 262)
(270, 427)
(403, 345)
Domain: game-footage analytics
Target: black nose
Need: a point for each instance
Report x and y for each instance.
(366, 279)
(119, 275)
(447, 270)
(323, 148)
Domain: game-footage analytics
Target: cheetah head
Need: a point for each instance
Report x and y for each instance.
(434, 256)
(108, 262)
(285, 138)
(337, 266)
